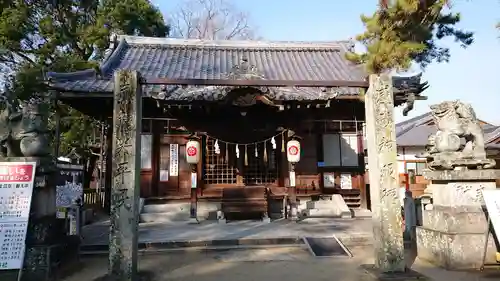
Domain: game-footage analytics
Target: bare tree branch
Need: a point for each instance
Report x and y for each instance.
(211, 20)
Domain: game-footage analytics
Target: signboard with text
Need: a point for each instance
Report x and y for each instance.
(492, 201)
(16, 189)
(174, 160)
(69, 185)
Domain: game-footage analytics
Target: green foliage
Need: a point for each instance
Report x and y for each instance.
(37, 36)
(402, 32)
(134, 17)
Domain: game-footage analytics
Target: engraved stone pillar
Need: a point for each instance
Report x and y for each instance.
(125, 176)
(382, 165)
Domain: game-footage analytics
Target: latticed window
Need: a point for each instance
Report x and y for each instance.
(260, 169)
(255, 164)
(219, 168)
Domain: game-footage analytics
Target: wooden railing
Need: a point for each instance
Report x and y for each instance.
(93, 199)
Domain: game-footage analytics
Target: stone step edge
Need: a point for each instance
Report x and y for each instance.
(195, 249)
(221, 244)
(163, 245)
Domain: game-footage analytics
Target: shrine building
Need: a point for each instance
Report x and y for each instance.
(243, 130)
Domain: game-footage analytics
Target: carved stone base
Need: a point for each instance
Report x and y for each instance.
(450, 163)
(453, 232)
(454, 251)
(460, 188)
(453, 237)
(464, 175)
(48, 248)
(467, 219)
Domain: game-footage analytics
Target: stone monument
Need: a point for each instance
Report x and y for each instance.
(124, 215)
(384, 93)
(382, 164)
(453, 228)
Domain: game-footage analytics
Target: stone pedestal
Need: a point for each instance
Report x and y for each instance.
(453, 231)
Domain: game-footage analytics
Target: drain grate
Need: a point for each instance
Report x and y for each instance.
(326, 247)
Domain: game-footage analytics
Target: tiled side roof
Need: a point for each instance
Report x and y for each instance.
(198, 59)
(407, 125)
(415, 131)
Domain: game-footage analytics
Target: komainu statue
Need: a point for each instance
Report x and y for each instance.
(23, 128)
(459, 141)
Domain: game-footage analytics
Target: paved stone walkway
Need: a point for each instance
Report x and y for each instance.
(280, 263)
(292, 264)
(98, 234)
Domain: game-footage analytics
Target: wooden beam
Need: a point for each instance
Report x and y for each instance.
(260, 83)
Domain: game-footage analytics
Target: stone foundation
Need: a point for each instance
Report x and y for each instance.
(454, 251)
(453, 231)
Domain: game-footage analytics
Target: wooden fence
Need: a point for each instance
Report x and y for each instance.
(93, 199)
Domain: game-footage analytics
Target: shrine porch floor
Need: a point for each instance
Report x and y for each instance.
(161, 236)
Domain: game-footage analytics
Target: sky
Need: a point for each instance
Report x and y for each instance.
(470, 75)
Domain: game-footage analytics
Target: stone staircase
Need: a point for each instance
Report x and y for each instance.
(352, 197)
(331, 206)
(177, 212)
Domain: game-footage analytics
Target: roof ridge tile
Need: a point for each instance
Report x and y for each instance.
(140, 40)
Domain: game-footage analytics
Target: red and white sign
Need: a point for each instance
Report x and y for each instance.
(293, 151)
(16, 190)
(193, 152)
(15, 173)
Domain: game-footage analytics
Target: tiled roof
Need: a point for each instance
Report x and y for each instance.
(407, 125)
(415, 132)
(198, 59)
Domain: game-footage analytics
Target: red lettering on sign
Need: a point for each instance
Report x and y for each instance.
(191, 151)
(15, 173)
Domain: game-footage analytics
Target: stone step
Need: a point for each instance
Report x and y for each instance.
(164, 217)
(362, 213)
(178, 207)
(321, 204)
(325, 213)
(177, 216)
(336, 207)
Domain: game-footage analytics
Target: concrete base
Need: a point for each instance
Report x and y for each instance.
(454, 251)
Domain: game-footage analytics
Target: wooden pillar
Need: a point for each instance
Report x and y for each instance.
(109, 166)
(158, 130)
(292, 193)
(57, 115)
(193, 213)
(126, 176)
(383, 173)
(360, 178)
